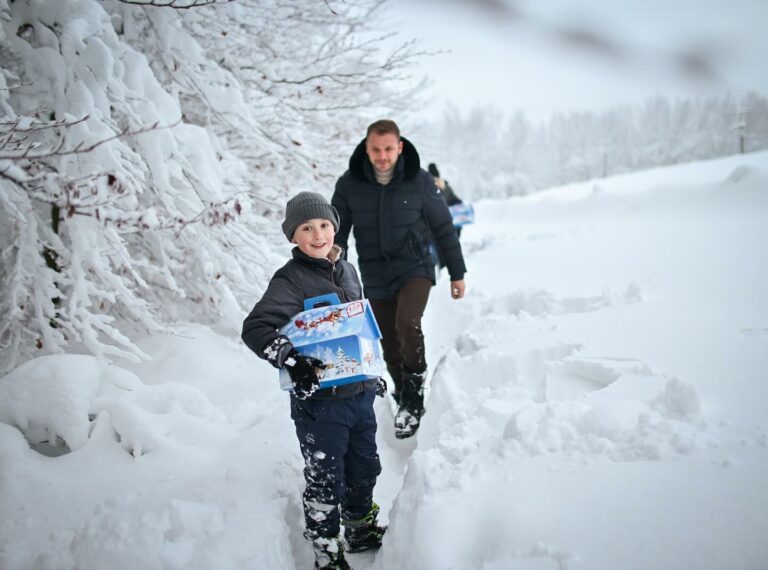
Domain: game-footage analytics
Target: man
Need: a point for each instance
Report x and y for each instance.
(393, 206)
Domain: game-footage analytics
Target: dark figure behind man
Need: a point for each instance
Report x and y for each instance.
(450, 197)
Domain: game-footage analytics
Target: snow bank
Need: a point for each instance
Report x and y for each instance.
(597, 401)
(574, 407)
(50, 397)
(56, 397)
(157, 476)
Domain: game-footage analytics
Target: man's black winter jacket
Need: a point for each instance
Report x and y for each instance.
(392, 223)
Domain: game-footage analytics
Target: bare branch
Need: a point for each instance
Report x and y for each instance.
(40, 125)
(331, 10)
(214, 213)
(176, 4)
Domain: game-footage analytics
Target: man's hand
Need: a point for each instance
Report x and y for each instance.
(457, 289)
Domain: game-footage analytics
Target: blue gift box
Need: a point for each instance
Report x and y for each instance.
(345, 336)
(462, 214)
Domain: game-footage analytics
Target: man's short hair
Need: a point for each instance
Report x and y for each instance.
(383, 127)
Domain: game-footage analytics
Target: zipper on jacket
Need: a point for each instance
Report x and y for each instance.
(382, 237)
(343, 296)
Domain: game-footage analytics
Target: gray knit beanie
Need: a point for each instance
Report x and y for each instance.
(307, 206)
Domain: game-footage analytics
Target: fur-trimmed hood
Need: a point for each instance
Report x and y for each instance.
(407, 167)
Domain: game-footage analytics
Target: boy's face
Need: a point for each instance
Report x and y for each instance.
(314, 237)
(383, 150)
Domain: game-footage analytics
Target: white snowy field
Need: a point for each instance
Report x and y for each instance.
(598, 401)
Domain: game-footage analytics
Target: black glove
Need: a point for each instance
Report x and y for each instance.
(381, 387)
(303, 372)
(276, 352)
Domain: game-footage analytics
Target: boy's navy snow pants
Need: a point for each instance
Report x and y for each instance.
(338, 442)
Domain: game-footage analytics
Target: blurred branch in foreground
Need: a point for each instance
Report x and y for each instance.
(680, 38)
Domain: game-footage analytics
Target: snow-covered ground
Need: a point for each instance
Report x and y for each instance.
(597, 401)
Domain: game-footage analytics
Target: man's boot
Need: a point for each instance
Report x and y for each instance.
(411, 409)
(329, 554)
(364, 533)
(397, 382)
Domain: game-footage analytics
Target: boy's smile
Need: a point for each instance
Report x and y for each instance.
(314, 237)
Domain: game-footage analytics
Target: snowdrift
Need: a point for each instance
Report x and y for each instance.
(597, 401)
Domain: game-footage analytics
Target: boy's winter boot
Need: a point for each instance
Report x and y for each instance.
(329, 554)
(364, 533)
(408, 417)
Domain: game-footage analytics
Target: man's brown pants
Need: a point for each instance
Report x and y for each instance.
(399, 318)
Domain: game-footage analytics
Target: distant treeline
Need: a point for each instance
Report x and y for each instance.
(486, 154)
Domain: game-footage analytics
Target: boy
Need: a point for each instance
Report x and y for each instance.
(336, 426)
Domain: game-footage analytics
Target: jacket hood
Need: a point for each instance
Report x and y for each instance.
(408, 164)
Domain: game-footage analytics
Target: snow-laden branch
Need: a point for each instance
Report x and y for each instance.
(21, 149)
(242, 86)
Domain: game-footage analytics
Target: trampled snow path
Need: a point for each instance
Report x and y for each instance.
(598, 401)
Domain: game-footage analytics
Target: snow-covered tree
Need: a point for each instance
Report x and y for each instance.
(483, 158)
(143, 149)
(286, 84)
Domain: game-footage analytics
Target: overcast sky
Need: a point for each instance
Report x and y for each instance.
(546, 56)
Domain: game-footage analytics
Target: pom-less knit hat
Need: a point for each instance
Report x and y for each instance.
(432, 168)
(307, 206)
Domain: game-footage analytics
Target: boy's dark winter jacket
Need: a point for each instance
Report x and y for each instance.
(301, 278)
(392, 223)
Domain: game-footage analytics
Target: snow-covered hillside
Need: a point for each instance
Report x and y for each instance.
(597, 401)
